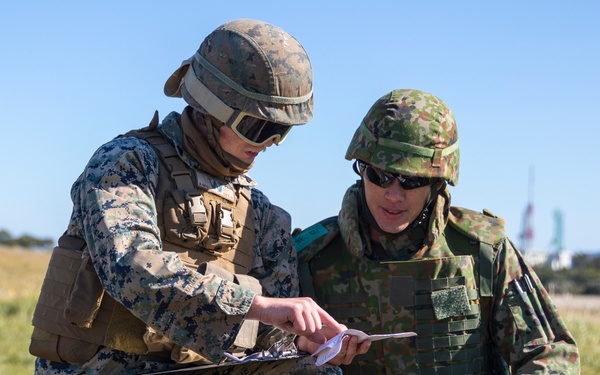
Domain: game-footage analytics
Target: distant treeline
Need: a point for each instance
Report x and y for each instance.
(582, 278)
(26, 241)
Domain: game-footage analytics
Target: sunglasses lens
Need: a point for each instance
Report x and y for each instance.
(260, 131)
(384, 179)
(378, 177)
(413, 183)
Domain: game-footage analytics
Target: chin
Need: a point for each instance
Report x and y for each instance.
(393, 229)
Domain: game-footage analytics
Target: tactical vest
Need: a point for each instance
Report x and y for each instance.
(199, 217)
(441, 299)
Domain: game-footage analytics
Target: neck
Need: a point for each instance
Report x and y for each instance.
(374, 234)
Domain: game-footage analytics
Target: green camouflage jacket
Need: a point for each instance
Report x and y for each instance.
(475, 304)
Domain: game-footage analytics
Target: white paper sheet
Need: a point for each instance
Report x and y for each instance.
(333, 346)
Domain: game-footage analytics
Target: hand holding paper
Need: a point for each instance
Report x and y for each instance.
(333, 346)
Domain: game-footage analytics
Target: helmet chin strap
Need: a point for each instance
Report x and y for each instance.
(366, 212)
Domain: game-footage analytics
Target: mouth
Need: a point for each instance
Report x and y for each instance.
(251, 154)
(392, 212)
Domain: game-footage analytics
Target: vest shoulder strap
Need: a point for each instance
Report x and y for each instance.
(486, 230)
(309, 243)
(315, 238)
(484, 227)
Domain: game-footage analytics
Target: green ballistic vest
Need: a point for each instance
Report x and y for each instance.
(438, 298)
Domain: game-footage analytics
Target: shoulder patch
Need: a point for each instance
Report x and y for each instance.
(484, 227)
(313, 239)
(309, 235)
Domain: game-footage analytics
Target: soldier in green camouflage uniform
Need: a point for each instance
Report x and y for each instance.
(171, 253)
(399, 258)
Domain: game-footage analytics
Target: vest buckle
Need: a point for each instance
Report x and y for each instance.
(196, 209)
(225, 221)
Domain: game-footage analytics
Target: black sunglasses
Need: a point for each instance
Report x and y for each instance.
(384, 179)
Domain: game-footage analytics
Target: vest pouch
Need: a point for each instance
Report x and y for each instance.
(63, 268)
(247, 336)
(186, 218)
(56, 348)
(224, 230)
(85, 297)
(161, 346)
(57, 339)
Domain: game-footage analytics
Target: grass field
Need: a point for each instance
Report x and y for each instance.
(581, 316)
(22, 272)
(21, 275)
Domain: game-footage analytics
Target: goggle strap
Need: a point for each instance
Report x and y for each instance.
(209, 101)
(252, 95)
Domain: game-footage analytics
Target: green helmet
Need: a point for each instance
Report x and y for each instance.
(247, 66)
(409, 132)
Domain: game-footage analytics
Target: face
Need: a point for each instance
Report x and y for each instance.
(394, 208)
(236, 146)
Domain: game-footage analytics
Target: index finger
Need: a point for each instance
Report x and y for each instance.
(327, 320)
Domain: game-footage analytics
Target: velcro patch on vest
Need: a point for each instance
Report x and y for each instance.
(215, 186)
(450, 302)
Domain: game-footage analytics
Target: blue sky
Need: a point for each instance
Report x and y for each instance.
(522, 78)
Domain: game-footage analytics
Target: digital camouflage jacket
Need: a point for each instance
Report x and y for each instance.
(475, 304)
(115, 212)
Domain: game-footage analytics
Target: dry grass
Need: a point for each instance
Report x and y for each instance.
(22, 273)
(586, 305)
(581, 316)
(21, 276)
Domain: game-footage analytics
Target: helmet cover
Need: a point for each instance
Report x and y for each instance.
(409, 132)
(251, 66)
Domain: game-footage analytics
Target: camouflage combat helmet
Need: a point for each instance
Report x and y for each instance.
(247, 66)
(409, 132)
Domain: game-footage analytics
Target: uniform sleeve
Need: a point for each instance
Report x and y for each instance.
(526, 327)
(275, 261)
(114, 202)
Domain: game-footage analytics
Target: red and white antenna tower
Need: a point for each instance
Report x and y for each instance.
(527, 227)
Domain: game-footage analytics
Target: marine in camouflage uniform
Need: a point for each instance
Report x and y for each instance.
(130, 288)
(449, 274)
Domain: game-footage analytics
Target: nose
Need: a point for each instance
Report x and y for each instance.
(394, 192)
(269, 143)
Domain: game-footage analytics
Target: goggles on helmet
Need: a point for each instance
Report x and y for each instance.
(254, 130)
(258, 131)
(384, 179)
